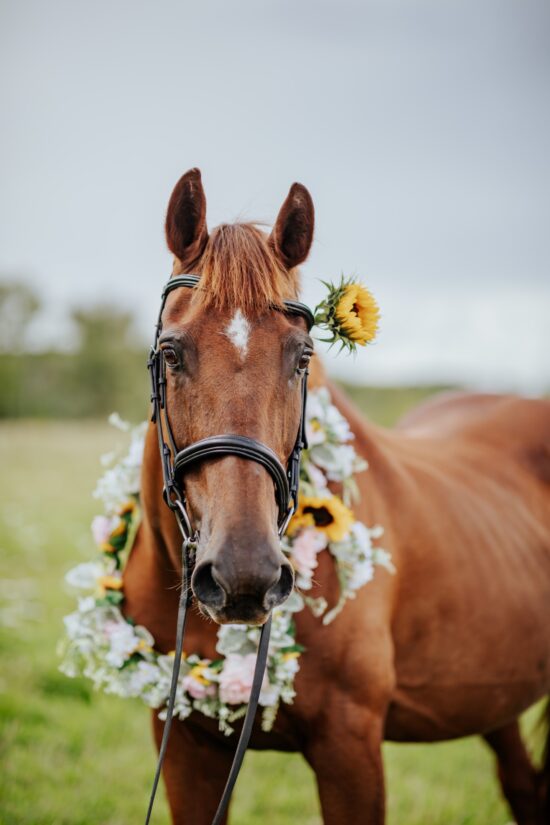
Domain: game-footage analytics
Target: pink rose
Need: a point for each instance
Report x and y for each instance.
(305, 547)
(236, 678)
(102, 527)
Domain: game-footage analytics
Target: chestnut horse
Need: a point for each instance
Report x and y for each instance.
(455, 643)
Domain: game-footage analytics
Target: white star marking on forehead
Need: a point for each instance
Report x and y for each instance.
(238, 331)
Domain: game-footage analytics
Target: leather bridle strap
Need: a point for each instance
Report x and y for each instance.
(184, 602)
(243, 447)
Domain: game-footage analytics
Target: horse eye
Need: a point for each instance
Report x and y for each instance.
(170, 357)
(305, 358)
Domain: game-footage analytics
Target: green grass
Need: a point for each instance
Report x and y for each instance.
(71, 756)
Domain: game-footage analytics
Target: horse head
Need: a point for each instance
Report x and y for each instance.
(234, 364)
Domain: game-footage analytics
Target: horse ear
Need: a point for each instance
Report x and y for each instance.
(186, 232)
(293, 231)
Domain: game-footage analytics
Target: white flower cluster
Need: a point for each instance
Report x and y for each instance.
(355, 560)
(121, 481)
(120, 658)
(328, 434)
(330, 457)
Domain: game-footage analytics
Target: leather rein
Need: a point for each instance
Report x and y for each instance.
(174, 462)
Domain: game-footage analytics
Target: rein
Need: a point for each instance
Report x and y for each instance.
(174, 462)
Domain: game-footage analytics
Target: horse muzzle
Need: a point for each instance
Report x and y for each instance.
(230, 595)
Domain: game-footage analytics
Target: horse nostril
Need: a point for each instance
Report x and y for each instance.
(282, 588)
(206, 586)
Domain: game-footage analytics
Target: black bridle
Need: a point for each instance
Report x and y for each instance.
(174, 463)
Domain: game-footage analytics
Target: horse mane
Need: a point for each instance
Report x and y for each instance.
(239, 268)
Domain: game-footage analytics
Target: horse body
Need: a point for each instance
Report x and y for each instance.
(454, 643)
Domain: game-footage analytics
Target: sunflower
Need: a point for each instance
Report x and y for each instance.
(330, 515)
(120, 530)
(349, 313)
(127, 508)
(110, 582)
(197, 673)
(357, 314)
(117, 539)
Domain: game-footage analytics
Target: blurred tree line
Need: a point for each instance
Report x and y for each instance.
(104, 372)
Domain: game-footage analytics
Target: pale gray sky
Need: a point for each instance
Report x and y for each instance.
(421, 128)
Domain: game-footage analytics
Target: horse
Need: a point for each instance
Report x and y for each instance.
(454, 643)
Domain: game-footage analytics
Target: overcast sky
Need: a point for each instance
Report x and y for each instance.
(421, 128)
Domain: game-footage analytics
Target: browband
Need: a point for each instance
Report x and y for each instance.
(292, 307)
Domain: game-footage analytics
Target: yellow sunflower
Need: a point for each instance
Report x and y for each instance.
(327, 514)
(197, 673)
(110, 583)
(120, 530)
(128, 507)
(357, 314)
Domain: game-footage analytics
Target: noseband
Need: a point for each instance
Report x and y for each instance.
(174, 463)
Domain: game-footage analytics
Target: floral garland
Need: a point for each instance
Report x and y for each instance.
(120, 657)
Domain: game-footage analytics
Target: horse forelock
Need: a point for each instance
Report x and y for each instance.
(239, 269)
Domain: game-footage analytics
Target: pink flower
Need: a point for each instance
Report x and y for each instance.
(198, 682)
(102, 527)
(317, 477)
(236, 678)
(305, 547)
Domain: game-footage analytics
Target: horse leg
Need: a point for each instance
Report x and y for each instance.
(195, 771)
(518, 778)
(346, 755)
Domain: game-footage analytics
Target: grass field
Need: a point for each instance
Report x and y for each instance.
(74, 757)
